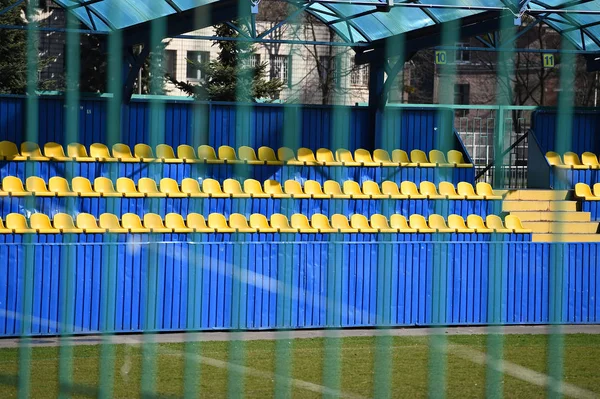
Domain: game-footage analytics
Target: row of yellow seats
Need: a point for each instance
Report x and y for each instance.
(571, 160)
(146, 187)
(318, 223)
(225, 154)
(584, 191)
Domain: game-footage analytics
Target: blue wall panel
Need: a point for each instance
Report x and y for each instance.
(585, 129)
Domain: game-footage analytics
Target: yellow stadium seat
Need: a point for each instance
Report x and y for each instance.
(437, 157)
(111, 223)
(514, 223)
(584, 191)
(438, 223)
(333, 189)
(239, 222)
(187, 153)
(300, 222)
(352, 189)
(410, 190)
(273, 188)
(447, 190)
(41, 224)
(100, 153)
(260, 223)
(105, 187)
(175, 222)
(495, 223)
(382, 157)
(314, 190)
(294, 189)
(13, 186)
(321, 223)
(372, 190)
(590, 159)
(361, 223)
(247, 154)
(457, 223)
(144, 153)
(77, 152)
(218, 222)
(212, 188)
(83, 188)
(154, 223)
(191, 188)
(267, 156)
(254, 189)
(400, 156)
(197, 222)
(32, 151)
(133, 224)
(345, 157)
(281, 223)
(60, 186)
(399, 223)
(88, 224)
(227, 154)
(457, 159)
(165, 153)
(55, 152)
(325, 157)
(170, 188)
(596, 189)
(148, 187)
(3, 229)
(306, 156)
(341, 224)
(286, 155)
(122, 153)
(475, 222)
(207, 154)
(419, 158)
(126, 186)
(364, 158)
(64, 223)
(485, 190)
(18, 224)
(467, 191)
(554, 159)
(9, 151)
(429, 190)
(381, 224)
(391, 189)
(234, 189)
(572, 160)
(37, 186)
(419, 223)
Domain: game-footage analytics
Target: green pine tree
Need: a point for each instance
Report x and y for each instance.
(13, 52)
(232, 77)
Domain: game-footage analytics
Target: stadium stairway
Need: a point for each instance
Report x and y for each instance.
(551, 215)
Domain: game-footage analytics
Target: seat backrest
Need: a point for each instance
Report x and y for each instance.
(370, 188)
(190, 186)
(325, 155)
(399, 222)
(81, 185)
(494, 222)
(352, 188)
(217, 221)
(259, 221)
(40, 221)
(596, 189)
(169, 186)
(300, 221)
(333, 188)
(12, 184)
(589, 158)
(306, 155)
(513, 222)
(475, 222)
(319, 221)
(266, 154)
(8, 149)
(380, 222)
(119, 150)
(437, 222)
(279, 221)
(381, 156)
(54, 150)
(582, 190)
(211, 186)
(232, 186)
(456, 222)
(30, 149)
(390, 188)
(63, 221)
(343, 155)
(273, 187)
(484, 188)
(143, 151)
(418, 156)
(286, 154)
(436, 156)
(109, 221)
(447, 188)
(553, 158)
(247, 153)
(153, 221)
(174, 221)
(34, 184)
(86, 221)
(59, 185)
(428, 188)
(455, 157)
(227, 153)
(104, 185)
(238, 221)
(570, 158)
(98, 150)
(147, 186)
(466, 188)
(125, 185)
(207, 153)
(313, 187)
(76, 150)
(400, 156)
(418, 222)
(196, 221)
(409, 188)
(359, 222)
(293, 187)
(185, 151)
(16, 221)
(165, 151)
(252, 186)
(131, 221)
(362, 155)
(339, 221)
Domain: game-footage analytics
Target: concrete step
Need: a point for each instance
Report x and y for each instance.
(565, 237)
(536, 195)
(562, 227)
(533, 206)
(553, 216)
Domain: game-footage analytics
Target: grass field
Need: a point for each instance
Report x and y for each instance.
(355, 357)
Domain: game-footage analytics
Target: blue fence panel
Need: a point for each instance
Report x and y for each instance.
(586, 124)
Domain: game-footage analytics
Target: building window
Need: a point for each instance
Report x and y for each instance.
(280, 68)
(197, 57)
(359, 76)
(169, 62)
(461, 94)
(254, 60)
(463, 55)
